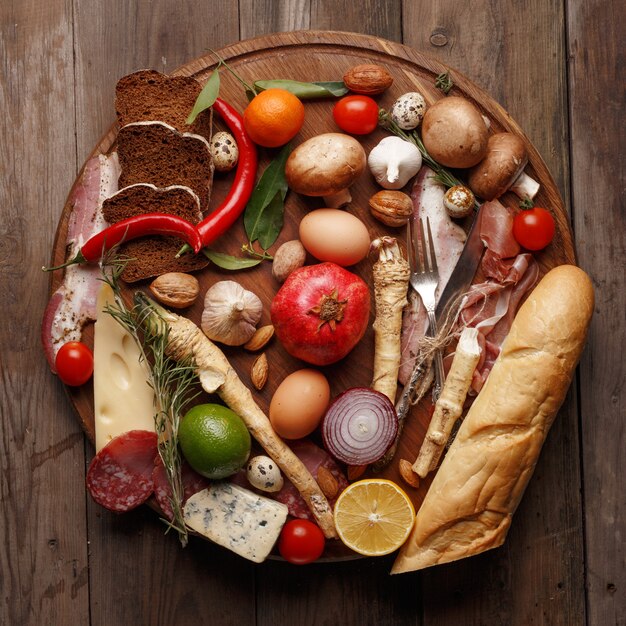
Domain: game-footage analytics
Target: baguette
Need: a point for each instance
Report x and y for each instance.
(470, 504)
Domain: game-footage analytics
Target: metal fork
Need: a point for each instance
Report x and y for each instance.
(424, 279)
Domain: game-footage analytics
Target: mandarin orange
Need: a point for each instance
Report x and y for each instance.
(273, 118)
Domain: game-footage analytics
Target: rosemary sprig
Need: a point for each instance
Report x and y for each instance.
(444, 82)
(172, 383)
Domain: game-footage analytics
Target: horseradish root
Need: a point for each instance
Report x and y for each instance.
(186, 340)
(391, 283)
(449, 407)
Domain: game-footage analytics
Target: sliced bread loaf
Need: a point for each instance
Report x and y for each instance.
(148, 95)
(153, 256)
(156, 153)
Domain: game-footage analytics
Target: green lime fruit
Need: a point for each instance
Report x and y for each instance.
(214, 440)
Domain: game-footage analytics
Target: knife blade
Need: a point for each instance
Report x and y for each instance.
(465, 269)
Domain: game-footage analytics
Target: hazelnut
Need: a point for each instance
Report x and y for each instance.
(393, 208)
(367, 79)
(175, 289)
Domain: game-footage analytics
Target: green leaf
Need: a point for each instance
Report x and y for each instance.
(260, 219)
(229, 262)
(206, 97)
(304, 91)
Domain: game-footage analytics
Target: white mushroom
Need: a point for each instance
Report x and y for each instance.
(326, 165)
(408, 110)
(263, 473)
(224, 151)
(503, 169)
(454, 132)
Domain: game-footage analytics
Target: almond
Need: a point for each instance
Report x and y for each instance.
(327, 482)
(368, 79)
(259, 372)
(260, 338)
(356, 471)
(175, 289)
(407, 473)
(289, 257)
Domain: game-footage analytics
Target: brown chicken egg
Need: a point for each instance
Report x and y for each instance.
(299, 404)
(335, 235)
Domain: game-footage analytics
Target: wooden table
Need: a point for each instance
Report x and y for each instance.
(555, 67)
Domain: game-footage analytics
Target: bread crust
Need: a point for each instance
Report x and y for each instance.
(472, 499)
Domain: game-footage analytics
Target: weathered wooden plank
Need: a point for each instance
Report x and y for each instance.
(43, 550)
(538, 574)
(126, 584)
(261, 17)
(597, 58)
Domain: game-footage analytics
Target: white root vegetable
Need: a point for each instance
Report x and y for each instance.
(186, 340)
(391, 282)
(449, 407)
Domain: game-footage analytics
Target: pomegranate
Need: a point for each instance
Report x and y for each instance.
(321, 312)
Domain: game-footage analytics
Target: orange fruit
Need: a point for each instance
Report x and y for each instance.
(273, 118)
(214, 440)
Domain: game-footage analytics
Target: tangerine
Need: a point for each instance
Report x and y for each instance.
(273, 118)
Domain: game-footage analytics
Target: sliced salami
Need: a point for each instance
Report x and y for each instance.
(313, 458)
(119, 477)
(192, 483)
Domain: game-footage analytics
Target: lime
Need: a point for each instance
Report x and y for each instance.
(214, 440)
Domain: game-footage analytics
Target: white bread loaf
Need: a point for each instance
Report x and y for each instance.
(470, 504)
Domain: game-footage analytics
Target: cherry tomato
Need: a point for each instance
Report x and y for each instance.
(74, 363)
(533, 228)
(357, 115)
(301, 542)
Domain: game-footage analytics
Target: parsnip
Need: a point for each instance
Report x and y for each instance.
(216, 375)
(391, 283)
(449, 406)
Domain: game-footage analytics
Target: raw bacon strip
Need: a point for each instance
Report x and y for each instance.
(119, 477)
(73, 304)
(448, 238)
(313, 458)
(192, 483)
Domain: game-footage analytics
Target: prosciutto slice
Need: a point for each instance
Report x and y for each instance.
(73, 304)
(449, 238)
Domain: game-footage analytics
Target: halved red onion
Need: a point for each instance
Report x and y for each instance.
(359, 426)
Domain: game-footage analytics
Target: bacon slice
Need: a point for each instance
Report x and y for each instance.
(449, 238)
(73, 304)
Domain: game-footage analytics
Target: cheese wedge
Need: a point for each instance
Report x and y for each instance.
(123, 399)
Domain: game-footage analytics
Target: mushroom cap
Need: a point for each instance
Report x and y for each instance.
(505, 160)
(454, 132)
(325, 164)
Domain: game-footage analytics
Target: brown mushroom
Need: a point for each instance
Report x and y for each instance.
(326, 165)
(454, 132)
(503, 169)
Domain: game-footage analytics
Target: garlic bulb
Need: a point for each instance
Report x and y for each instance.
(393, 162)
(231, 313)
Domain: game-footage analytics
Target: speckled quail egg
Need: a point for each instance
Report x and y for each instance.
(263, 473)
(408, 110)
(459, 201)
(224, 151)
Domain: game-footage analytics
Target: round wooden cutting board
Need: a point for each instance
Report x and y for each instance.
(325, 56)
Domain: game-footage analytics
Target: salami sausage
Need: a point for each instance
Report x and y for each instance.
(119, 477)
(192, 483)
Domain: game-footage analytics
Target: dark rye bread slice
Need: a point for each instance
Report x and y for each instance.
(148, 95)
(156, 153)
(154, 255)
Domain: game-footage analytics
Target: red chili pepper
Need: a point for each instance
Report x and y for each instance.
(224, 216)
(132, 228)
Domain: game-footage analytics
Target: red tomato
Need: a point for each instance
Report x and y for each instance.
(301, 542)
(357, 115)
(533, 228)
(74, 363)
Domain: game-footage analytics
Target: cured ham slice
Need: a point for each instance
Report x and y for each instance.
(73, 304)
(449, 238)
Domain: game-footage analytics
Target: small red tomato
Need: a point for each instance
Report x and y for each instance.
(533, 228)
(357, 115)
(301, 542)
(74, 363)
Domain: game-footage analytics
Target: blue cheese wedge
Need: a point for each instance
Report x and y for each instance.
(237, 519)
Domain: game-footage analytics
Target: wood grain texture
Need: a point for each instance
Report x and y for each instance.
(597, 58)
(43, 540)
(483, 39)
